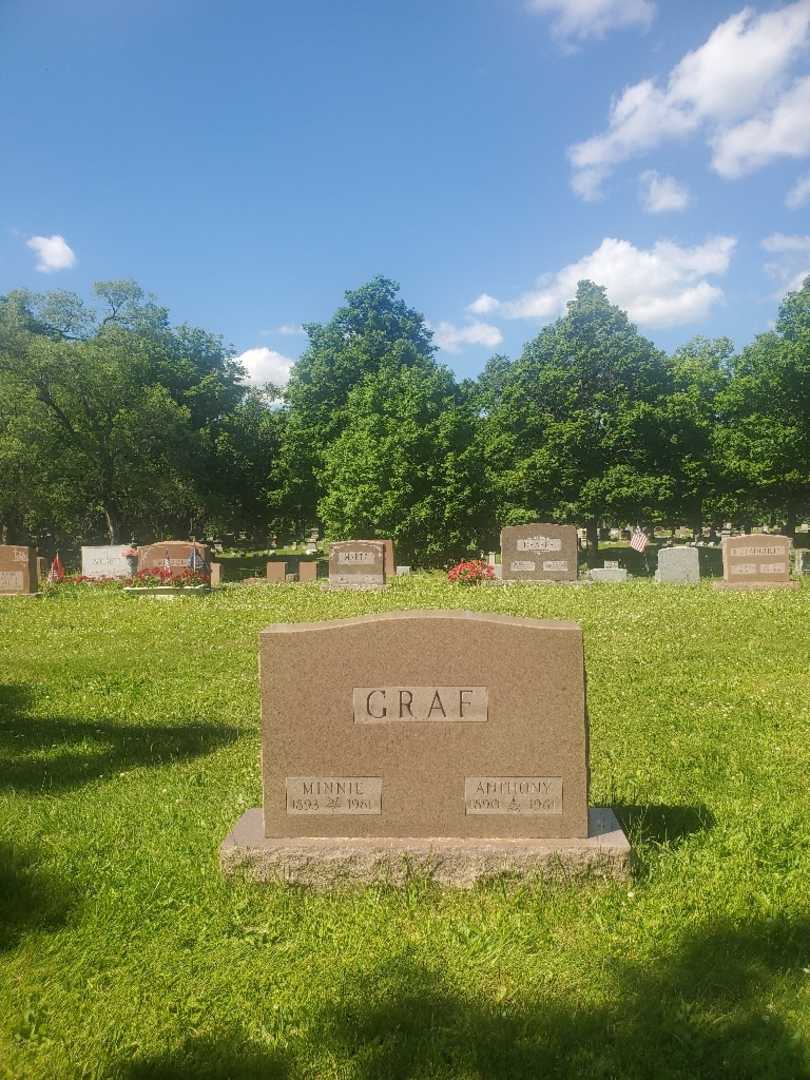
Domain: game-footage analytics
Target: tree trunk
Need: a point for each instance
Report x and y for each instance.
(790, 523)
(592, 529)
(112, 526)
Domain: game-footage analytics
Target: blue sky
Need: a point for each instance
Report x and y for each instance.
(249, 162)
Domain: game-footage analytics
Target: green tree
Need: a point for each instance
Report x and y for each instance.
(576, 433)
(763, 440)
(406, 466)
(373, 330)
(690, 414)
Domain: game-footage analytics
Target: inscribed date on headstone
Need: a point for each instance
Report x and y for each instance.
(334, 795)
(513, 795)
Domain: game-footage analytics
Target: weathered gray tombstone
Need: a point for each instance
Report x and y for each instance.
(612, 574)
(539, 552)
(678, 566)
(756, 561)
(403, 571)
(803, 561)
(276, 572)
(18, 570)
(106, 560)
(450, 743)
(357, 564)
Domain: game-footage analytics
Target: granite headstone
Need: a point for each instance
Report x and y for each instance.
(450, 738)
(106, 561)
(678, 566)
(756, 561)
(539, 552)
(18, 569)
(358, 564)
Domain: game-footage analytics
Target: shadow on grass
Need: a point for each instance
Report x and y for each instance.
(30, 898)
(57, 753)
(227, 1056)
(703, 1012)
(663, 825)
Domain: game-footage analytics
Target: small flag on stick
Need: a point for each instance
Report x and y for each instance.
(57, 570)
(167, 562)
(639, 540)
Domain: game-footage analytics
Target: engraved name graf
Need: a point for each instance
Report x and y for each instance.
(385, 704)
(20, 556)
(11, 580)
(539, 543)
(519, 565)
(334, 795)
(513, 795)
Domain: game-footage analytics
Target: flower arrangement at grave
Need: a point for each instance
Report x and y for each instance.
(153, 577)
(470, 572)
(131, 555)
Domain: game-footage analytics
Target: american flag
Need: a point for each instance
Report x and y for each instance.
(57, 570)
(639, 539)
(196, 561)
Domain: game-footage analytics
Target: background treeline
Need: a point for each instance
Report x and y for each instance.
(114, 425)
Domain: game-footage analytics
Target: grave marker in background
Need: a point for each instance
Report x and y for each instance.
(678, 566)
(451, 742)
(178, 552)
(276, 572)
(357, 564)
(106, 561)
(18, 569)
(539, 552)
(307, 571)
(756, 561)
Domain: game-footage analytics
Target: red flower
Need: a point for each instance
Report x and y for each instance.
(470, 572)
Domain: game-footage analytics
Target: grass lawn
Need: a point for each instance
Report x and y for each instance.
(129, 746)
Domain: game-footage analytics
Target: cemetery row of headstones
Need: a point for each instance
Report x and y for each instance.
(544, 552)
(539, 552)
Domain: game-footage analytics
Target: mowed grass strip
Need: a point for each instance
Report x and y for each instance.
(129, 740)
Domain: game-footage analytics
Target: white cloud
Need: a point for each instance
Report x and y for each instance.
(781, 131)
(53, 253)
(581, 19)
(453, 338)
(792, 262)
(741, 69)
(483, 305)
(265, 365)
(291, 329)
(799, 193)
(660, 194)
(664, 285)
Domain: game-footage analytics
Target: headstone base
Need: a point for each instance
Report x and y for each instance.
(747, 586)
(334, 862)
(513, 581)
(333, 587)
